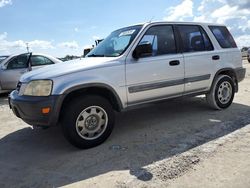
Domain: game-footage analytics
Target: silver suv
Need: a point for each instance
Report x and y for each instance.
(132, 66)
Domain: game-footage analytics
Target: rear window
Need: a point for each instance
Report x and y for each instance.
(223, 36)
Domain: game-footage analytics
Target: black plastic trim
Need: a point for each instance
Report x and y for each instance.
(158, 85)
(240, 73)
(28, 108)
(100, 85)
(198, 78)
(190, 93)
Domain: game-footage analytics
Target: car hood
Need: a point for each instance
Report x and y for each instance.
(68, 67)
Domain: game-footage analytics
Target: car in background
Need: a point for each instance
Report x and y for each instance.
(14, 66)
(3, 57)
(248, 55)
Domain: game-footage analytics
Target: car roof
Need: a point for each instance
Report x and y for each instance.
(17, 54)
(144, 24)
(180, 22)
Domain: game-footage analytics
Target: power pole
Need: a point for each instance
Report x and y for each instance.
(27, 47)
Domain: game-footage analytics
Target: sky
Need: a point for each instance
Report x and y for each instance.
(61, 27)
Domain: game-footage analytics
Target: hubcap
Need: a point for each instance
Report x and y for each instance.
(91, 122)
(225, 92)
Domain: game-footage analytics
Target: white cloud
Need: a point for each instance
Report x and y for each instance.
(243, 40)
(5, 2)
(41, 44)
(245, 26)
(228, 12)
(71, 45)
(223, 11)
(7, 46)
(76, 29)
(234, 14)
(3, 36)
(180, 12)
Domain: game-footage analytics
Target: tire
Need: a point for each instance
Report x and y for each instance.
(222, 92)
(88, 121)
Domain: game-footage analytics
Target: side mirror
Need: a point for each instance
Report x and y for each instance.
(143, 50)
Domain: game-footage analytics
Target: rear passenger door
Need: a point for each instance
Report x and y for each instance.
(159, 75)
(199, 57)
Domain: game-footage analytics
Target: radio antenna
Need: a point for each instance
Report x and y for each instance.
(151, 19)
(27, 47)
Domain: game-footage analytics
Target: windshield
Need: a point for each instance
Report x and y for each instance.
(116, 43)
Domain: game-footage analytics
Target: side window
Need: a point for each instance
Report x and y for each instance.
(161, 38)
(194, 39)
(223, 36)
(207, 42)
(40, 60)
(48, 61)
(18, 62)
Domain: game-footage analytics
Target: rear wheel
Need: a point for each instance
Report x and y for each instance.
(222, 92)
(88, 121)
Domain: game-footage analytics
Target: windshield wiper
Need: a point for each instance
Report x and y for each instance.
(96, 55)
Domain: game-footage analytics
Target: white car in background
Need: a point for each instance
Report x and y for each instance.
(14, 66)
(3, 57)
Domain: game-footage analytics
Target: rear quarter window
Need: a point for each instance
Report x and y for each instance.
(194, 38)
(223, 36)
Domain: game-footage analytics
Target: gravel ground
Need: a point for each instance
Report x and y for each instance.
(178, 143)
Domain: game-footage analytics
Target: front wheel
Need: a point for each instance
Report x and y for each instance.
(221, 94)
(88, 121)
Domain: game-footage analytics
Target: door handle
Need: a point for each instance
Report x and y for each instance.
(215, 57)
(174, 63)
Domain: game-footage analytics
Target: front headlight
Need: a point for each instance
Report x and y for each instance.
(38, 88)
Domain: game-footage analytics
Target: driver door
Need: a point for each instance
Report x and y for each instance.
(160, 75)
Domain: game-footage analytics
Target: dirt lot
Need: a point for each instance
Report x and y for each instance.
(178, 143)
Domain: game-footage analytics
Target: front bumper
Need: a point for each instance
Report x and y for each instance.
(29, 108)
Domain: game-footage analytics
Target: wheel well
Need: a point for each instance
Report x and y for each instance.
(101, 91)
(231, 73)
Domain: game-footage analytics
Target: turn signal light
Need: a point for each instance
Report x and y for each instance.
(46, 110)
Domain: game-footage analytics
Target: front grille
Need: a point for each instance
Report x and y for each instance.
(18, 86)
